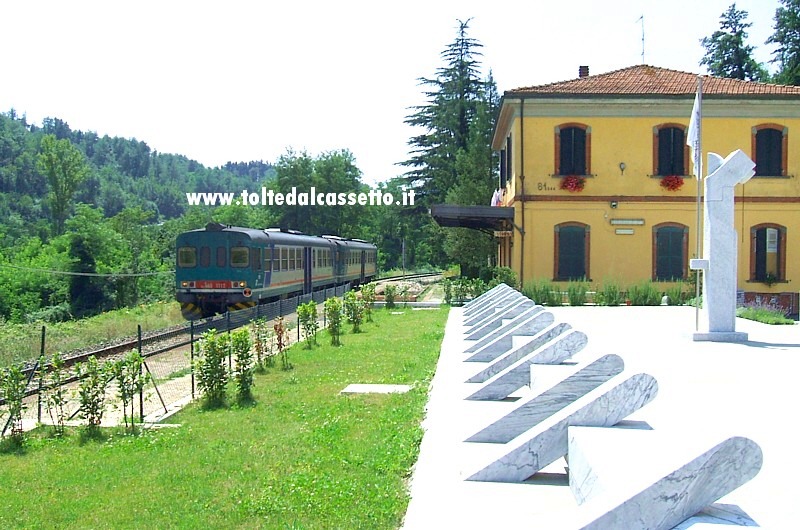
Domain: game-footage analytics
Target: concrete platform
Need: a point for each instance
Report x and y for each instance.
(707, 389)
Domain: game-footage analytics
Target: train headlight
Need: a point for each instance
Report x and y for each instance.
(184, 284)
(240, 284)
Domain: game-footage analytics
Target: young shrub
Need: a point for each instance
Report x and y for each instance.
(403, 292)
(389, 295)
(243, 370)
(644, 293)
(543, 292)
(477, 287)
(212, 375)
(130, 378)
(576, 293)
(447, 285)
(307, 313)
(609, 294)
(54, 391)
(505, 275)
(282, 343)
(368, 296)
(354, 309)
(333, 314)
(460, 289)
(12, 390)
(260, 341)
(94, 379)
(675, 294)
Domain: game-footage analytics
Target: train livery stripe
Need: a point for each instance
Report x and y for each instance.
(190, 311)
(241, 305)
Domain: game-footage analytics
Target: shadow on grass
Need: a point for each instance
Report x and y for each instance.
(92, 434)
(13, 445)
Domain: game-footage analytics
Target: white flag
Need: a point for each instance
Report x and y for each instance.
(693, 135)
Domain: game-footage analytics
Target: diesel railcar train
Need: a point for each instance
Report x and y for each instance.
(222, 268)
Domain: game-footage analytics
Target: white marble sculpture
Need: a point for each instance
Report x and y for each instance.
(718, 316)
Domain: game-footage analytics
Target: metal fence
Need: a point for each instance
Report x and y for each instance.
(168, 361)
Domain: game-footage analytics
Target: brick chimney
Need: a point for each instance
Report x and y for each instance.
(583, 71)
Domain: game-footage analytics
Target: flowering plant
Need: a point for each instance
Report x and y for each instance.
(672, 182)
(573, 183)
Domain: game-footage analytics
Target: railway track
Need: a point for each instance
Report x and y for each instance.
(159, 341)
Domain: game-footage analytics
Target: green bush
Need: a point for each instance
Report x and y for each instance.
(368, 296)
(505, 275)
(307, 313)
(645, 293)
(12, 390)
(333, 315)
(354, 309)
(212, 374)
(676, 294)
(609, 294)
(94, 379)
(576, 293)
(543, 292)
(243, 370)
(389, 295)
(129, 375)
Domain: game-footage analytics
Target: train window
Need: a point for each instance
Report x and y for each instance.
(300, 258)
(255, 261)
(222, 256)
(187, 257)
(240, 256)
(267, 259)
(205, 256)
(284, 259)
(292, 253)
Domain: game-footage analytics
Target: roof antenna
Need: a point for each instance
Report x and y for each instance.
(641, 19)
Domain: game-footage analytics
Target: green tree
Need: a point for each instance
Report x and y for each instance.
(445, 119)
(727, 55)
(65, 168)
(787, 38)
(452, 160)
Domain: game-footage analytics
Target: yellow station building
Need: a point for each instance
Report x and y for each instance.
(599, 177)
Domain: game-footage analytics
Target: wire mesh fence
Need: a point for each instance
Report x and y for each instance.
(168, 364)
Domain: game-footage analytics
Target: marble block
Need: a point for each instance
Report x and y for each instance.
(666, 499)
(543, 444)
(563, 348)
(534, 409)
(491, 323)
(501, 340)
(511, 297)
(486, 298)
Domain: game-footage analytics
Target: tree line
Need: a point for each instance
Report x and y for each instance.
(727, 53)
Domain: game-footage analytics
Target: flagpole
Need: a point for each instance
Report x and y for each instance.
(698, 167)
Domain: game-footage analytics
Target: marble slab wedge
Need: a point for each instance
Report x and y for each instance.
(537, 408)
(506, 300)
(493, 322)
(543, 331)
(543, 444)
(499, 341)
(669, 499)
(486, 298)
(511, 372)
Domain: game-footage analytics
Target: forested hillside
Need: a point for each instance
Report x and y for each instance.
(122, 217)
(88, 223)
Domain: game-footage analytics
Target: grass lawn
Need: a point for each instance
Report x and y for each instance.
(301, 457)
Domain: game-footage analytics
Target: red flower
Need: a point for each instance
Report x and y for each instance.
(672, 182)
(572, 183)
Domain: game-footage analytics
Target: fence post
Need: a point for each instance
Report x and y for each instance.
(280, 307)
(228, 316)
(141, 374)
(298, 327)
(191, 353)
(41, 380)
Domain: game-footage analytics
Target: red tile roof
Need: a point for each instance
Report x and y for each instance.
(651, 80)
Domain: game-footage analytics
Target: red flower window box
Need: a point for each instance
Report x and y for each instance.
(672, 183)
(573, 183)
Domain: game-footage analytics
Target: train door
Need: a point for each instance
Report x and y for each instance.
(307, 264)
(363, 265)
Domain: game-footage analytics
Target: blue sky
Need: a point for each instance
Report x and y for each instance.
(247, 80)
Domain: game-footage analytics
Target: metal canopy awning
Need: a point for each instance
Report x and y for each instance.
(495, 218)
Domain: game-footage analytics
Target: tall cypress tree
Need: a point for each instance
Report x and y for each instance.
(452, 160)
